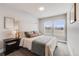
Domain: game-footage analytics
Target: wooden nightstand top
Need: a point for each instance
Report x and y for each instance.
(11, 44)
(11, 39)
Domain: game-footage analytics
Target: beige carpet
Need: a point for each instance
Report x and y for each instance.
(61, 50)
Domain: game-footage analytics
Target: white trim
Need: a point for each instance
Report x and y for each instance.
(69, 48)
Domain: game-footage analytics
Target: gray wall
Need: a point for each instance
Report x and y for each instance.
(73, 35)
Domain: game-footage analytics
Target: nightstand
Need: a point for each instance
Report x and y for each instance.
(10, 45)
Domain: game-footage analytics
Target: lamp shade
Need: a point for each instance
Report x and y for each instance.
(17, 34)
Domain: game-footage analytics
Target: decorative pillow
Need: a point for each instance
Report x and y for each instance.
(31, 34)
(34, 34)
(27, 34)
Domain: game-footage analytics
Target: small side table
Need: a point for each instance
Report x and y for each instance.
(10, 45)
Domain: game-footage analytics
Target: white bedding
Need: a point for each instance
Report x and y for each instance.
(49, 47)
(27, 42)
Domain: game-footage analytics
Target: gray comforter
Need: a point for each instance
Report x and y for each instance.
(38, 45)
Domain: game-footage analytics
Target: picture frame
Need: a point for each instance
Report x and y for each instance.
(9, 22)
(73, 14)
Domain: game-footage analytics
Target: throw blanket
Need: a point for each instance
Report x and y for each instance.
(42, 45)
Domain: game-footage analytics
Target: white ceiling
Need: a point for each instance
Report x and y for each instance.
(32, 8)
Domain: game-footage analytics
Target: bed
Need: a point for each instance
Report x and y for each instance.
(42, 45)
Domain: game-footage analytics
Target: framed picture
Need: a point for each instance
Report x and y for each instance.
(9, 22)
(73, 14)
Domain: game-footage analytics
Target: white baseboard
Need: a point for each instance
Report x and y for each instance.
(69, 48)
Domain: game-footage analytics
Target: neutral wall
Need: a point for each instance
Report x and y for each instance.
(73, 35)
(27, 21)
